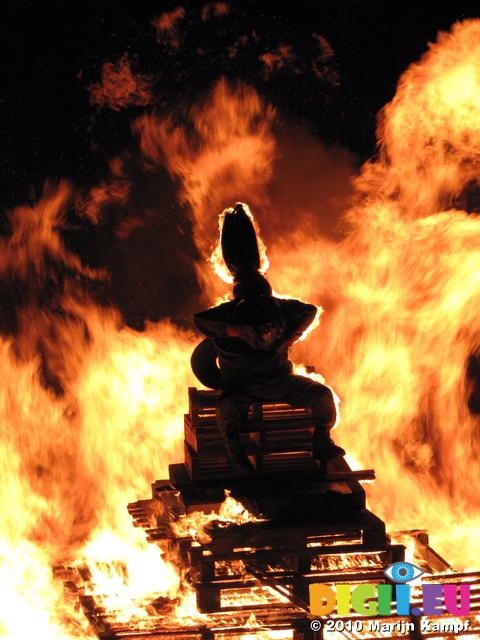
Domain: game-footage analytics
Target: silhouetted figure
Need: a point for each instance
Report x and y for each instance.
(251, 336)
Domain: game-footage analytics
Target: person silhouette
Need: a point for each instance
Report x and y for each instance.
(251, 336)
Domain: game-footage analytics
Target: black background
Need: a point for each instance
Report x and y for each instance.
(51, 51)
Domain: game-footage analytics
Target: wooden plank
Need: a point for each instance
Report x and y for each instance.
(206, 399)
(268, 416)
(259, 411)
(285, 534)
(207, 423)
(294, 561)
(182, 480)
(211, 443)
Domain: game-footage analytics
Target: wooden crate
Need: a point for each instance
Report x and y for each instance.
(276, 437)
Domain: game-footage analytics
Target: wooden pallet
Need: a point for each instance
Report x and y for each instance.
(233, 622)
(276, 437)
(311, 512)
(270, 425)
(281, 495)
(290, 554)
(316, 536)
(278, 440)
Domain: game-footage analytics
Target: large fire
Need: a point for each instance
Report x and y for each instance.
(92, 412)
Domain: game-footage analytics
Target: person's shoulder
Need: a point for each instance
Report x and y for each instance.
(220, 309)
(289, 303)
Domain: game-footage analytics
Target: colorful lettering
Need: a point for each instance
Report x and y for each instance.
(361, 595)
(402, 592)
(384, 599)
(450, 595)
(322, 600)
(370, 600)
(343, 599)
(432, 599)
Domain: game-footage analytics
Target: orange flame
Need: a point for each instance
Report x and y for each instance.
(121, 87)
(221, 151)
(92, 412)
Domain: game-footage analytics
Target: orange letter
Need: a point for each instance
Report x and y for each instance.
(322, 600)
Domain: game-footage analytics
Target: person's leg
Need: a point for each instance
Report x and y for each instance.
(231, 410)
(300, 391)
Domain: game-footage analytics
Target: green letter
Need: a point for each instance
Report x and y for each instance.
(360, 595)
(384, 599)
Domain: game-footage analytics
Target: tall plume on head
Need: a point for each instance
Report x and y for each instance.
(241, 253)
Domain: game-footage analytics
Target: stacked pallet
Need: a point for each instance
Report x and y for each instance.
(278, 441)
(312, 515)
(288, 557)
(231, 562)
(110, 624)
(317, 530)
(276, 437)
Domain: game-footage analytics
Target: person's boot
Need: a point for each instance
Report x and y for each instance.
(237, 456)
(323, 447)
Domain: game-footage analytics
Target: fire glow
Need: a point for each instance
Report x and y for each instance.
(92, 411)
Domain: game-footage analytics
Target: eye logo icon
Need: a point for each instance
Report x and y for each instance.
(403, 572)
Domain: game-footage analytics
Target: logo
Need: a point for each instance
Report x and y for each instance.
(376, 599)
(403, 572)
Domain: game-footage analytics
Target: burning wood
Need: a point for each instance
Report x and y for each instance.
(91, 410)
(260, 570)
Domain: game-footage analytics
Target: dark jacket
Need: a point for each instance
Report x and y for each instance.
(242, 365)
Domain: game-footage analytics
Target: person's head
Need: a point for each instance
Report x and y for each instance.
(264, 315)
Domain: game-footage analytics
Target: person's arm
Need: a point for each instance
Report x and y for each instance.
(214, 322)
(298, 316)
(218, 322)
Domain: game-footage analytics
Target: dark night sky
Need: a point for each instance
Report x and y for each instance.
(53, 50)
